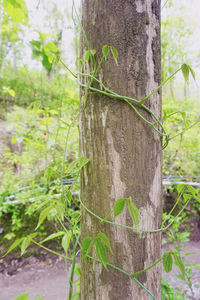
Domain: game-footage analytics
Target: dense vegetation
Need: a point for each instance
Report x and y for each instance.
(40, 162)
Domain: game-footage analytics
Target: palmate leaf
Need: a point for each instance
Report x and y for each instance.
(43, 215)
(26, 242)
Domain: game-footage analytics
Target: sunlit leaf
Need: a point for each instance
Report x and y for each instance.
(22, 297)
(52, 47)
(17, 10)
(192, 72)
(35, 43)
(185, 71)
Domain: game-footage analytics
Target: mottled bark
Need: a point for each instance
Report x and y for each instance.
(124, 152)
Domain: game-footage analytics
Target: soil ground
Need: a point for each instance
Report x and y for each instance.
(45, 275)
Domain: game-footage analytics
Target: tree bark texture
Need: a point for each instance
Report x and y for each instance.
(124, 152)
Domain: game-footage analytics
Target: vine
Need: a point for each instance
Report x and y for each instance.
(72, 235)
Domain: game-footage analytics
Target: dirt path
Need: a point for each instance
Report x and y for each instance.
(45, 276)
(178, 283)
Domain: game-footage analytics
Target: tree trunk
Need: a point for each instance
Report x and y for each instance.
(124, 152)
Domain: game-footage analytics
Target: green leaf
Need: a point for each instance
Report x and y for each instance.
(86, 246)
(36, 54)
(183, 113)
(83, 161)
(43, 36)
(105, 50)
(180, 188)
(66, 241)
(88, 53)
(192, 72)
(187, 197)
(60, 209)
(53, 236)
(77, 270)
(194, 265)
(105, 240)
(17, 10)
(115, 54)
(191, 190)
(14, 245)
(185, 71)
(181, 277)
(167, 262)
(35, 43)
(77, 165)
(22, 297)
(134, 213)
(51, 47)
(46, 63)
(11, 92)
(119, 206)
(179, 262)
(26, 242)
(38, 298)
(190, 253)
(93, 52)
(43, 215)
(101, 252)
